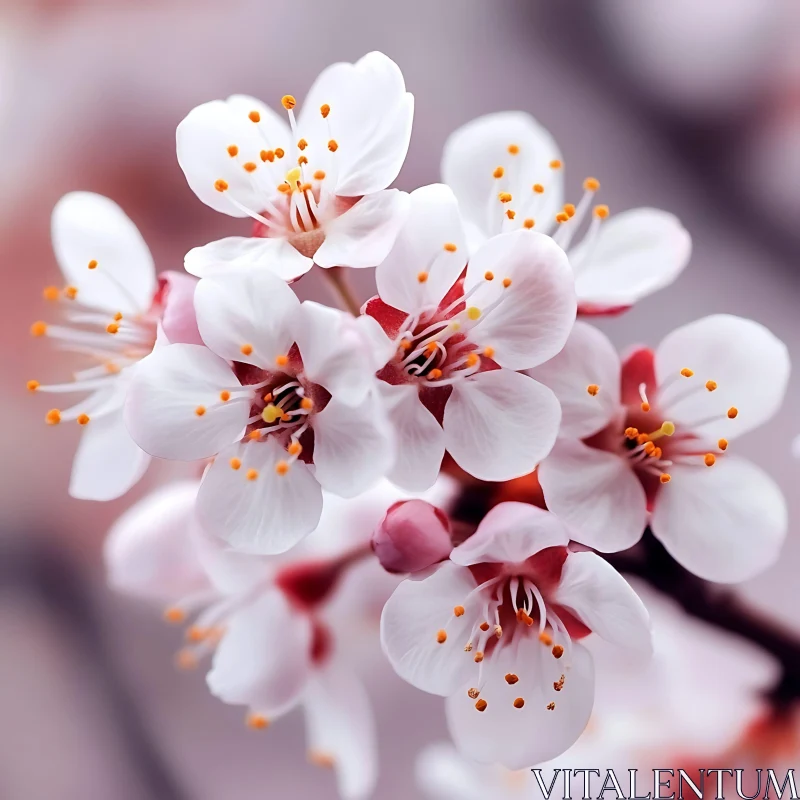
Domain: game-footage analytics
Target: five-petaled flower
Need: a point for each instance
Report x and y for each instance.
(453, 382)
(496, 630)
(507, 173)
(316, 186)
(278, 386)
(646, 441)
(114, 309)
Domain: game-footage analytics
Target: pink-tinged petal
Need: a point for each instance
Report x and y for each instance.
(511, 533)
(596, 494)
(725, 523)
(635, 254)
(419, 437)
(203, 139)
(178, 319)
(370, 119)
(263, 660)
(365, 233)
(521, 737)
(535, 312)
(749, 365)
(638, 367)
(253, 508)
(275, 255)
(150, 551)
(604, 601)
(500, 424)
(108, 462)
(246, 315)
(411, 626)
(444, 774)
(473, 153)
(587, 360)
(340, 727)
(413, 536)
(88, 228)
(353, 445)
(340, 352)
(389, 318)
(429, 255)
(173, 408)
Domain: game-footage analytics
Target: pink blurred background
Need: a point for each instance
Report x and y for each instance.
(691, 108)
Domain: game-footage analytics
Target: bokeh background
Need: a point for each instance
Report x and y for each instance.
(691, 107)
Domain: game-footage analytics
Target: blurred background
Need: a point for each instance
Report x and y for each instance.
(690, 107)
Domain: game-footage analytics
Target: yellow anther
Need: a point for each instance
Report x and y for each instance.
(434, 374)
(601, 212)
(422, 277)
(481, 705)
(82, 419)
(519, 702)
(513, 149)
(722, 444)
(591, 184)
(558, 651)
(233, 150)
(246, 349)
(319, 175)
(593, 389)
(711, 385)
(511, 213)
(505, 197)
(709, 459)
(498, 172)
(251, 474)
(93, 263)
(293, 175)
(256, 722)
(538, 188)
(333, 145)
(450, 247)
(555, 164)
(282, 361)
(459, 611)
(249, 166)
(220, 185)
(71, 292)
(667, 428)
(51, 293)
(686, 372)
(282, 467)
(302, 144)
(569, 209)
(288, 102)
(473, 312)
(529, 223)
(506, 283)
(307, 403)
(562, 216)
(267, 155)
(665, 477)
(32, 385)
(112, 327)
(271, 413)
(235, 463)
(224, 395)
(472, 360)
(200, 410)
(441, 636)
(324, 109)
(38, 329)
(174, 615)
(254, 116)
(488, 351)
(279, 152)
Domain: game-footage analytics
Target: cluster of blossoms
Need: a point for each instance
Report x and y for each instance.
(338, 448)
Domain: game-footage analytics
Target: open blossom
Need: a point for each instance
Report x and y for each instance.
(496, 630)
(646, 441)
(315, 182)
(282, 397)
(113, 307)
(453, 382)
(280, 631)
(507, 173)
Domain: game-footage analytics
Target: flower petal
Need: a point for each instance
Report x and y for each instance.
(511, 533)
(249, 667)
(444, 774)
(273, 254)
(499, 424)
(726, 523)
(340, 726)
(204, 137)
(473, 153)
(432, 244)
(254, 509)
(520, 737)
(370, 119)
(635, 254)
(340, 352)
(150, 552)
(604, 601)
(588, 358)
(167, 390)
(108, 462)
(89, 228)
(414, 615)
(596, 493)
(243, 310)
(748, 363)
(536, 312)
(365, 233)
(353, 445)
(178, 319)
(419, 438)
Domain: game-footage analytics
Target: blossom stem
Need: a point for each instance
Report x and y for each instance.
(337, 280)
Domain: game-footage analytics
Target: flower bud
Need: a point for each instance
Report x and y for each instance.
(413, 536)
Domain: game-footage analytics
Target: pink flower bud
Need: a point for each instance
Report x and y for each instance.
(413, 536)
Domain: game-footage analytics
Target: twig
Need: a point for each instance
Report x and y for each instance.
(337, 280)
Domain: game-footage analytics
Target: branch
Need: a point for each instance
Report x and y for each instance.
(337, 280)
